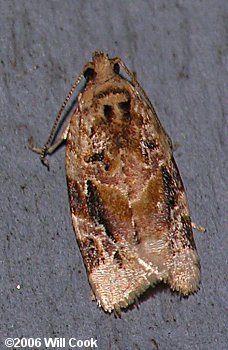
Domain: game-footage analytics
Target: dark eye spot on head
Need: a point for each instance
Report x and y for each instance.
(89, 74)
(108, 112)
(116, 68)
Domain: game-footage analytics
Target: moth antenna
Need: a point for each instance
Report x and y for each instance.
(56, 122)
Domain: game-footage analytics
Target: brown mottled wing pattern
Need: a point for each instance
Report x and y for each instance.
(127, 199)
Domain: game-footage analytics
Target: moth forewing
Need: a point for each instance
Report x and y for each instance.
(128, 204)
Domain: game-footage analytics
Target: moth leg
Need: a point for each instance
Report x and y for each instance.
(198, 227)
(50, 149)
(175, 145)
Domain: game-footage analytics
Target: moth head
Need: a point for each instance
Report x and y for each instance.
(102, 67)
(116, 66)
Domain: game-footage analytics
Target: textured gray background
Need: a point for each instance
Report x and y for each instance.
(179, 50)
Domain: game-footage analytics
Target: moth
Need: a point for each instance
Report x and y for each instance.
(128, 204)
